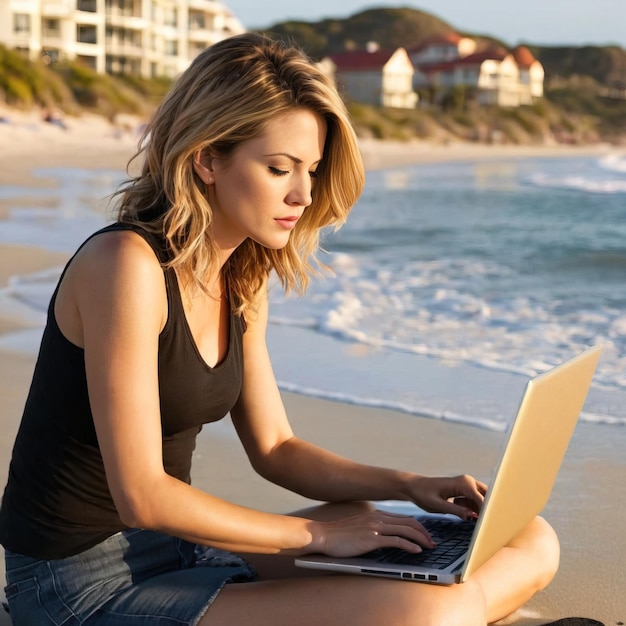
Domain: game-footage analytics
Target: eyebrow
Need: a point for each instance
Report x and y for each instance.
(289, 156)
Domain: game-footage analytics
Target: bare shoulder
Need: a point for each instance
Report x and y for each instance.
(117, 249)
(114, 260)
(114, 273)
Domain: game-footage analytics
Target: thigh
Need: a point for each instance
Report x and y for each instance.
(337, 600)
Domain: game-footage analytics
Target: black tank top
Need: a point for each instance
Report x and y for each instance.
(57, 502)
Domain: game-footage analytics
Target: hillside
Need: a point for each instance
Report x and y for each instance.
(604, 64)
(405, 27)
(388, 27)
(575, 108)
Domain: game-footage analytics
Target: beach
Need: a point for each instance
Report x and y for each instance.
(590, 489)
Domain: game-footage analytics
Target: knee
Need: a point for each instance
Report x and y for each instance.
(546, 551)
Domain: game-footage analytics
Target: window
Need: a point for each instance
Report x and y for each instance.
(21, 23)
(171, 48)
(86, 5)
(170, 17)
(196, 21)
(87, 61)
(50, 55)
(50, 27)
(86, 33)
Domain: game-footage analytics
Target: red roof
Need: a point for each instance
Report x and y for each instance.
(361, 59)
(449, 39)
(491, 54)
(478, 58)
(523, 56)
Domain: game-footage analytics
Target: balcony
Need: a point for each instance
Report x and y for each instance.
(118, 48)
(56, 8)
(123, 20)
(208, 6)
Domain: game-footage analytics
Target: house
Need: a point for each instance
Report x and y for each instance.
(442, 48)
(374, 76)
(497, 76)
(532, 73)
(148, 38)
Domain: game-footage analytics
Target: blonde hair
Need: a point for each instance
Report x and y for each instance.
(228, 95)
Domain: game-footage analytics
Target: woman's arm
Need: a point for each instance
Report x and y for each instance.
(113, 303)
(281, 457)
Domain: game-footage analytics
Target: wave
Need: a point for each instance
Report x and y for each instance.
(377, 403)
(613, 163)
(426, 412)
(579, 183)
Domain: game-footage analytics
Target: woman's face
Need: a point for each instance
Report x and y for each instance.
(262, 189)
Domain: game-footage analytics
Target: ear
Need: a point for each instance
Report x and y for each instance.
(202, 167)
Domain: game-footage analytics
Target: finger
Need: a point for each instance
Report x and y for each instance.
(469, 507)
(418, 535)
(463, 510)
(474, 490)
(409, 521)
(396, 541)
(403, 525)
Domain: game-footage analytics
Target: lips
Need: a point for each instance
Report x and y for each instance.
(287, 222)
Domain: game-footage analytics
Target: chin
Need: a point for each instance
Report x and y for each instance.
(275, 243)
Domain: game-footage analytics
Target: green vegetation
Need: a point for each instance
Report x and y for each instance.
(390, 28)
(605, 64)
(72, 87)
(575, 108)
(542, 122)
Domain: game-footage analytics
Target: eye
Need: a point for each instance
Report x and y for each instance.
(313, 175)
(278, 172)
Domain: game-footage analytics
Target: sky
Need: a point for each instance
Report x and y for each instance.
(547, 22)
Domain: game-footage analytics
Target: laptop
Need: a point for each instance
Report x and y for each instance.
(530, 461)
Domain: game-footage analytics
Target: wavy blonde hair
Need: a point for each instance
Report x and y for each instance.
(228, 95)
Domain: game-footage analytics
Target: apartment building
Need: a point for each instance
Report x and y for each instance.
(148, 38)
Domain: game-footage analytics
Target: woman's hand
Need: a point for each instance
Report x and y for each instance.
(460, 495)
(358, 534)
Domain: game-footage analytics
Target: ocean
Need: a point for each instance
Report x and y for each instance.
(452, 284)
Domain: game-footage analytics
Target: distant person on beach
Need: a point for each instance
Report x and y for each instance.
(157, 326)
(54, 117)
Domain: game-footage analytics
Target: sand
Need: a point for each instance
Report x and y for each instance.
(590, 488)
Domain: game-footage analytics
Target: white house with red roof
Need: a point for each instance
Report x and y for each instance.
(532, 73)
(442, 48)
(374, 76)
(497, 76)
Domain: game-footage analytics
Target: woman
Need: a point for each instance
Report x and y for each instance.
(158, 326)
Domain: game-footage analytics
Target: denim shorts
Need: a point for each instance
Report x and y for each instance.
(134, 577)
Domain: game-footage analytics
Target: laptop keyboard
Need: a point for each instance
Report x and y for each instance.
(451, 536)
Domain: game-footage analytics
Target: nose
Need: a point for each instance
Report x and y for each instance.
(300, 192)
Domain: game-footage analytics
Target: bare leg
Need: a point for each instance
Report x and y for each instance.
(339, 600)
(514, 574)
(289, 595)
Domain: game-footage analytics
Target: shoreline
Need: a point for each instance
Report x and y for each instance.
(590, 480)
